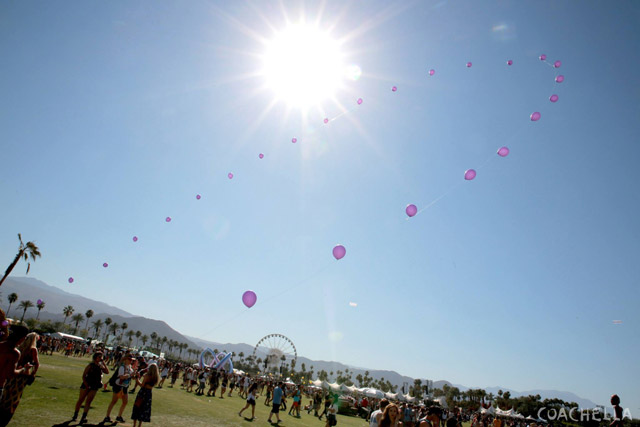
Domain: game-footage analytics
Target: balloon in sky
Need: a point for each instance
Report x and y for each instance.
(469, 64)
(339, 252)
(249, 298)
(503, 151)
(230, 175)
(135, 238)
(432, 72)
(326, 120)
(353, 304)
(261, 155)
(168, 219)
(535, 116)
(359, 101)
(510, 62)
(39, 302)
(105, 265)
(294, 140)
(469, 174)
(553, 98)
(543, 57)
(70, 279)
(560, 79)
(557, 64)
(411, 210)
(198, 197)
(393, 89)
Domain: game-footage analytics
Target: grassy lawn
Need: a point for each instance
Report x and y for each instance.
(51, 399)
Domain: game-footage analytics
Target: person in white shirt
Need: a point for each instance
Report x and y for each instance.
(377, 414)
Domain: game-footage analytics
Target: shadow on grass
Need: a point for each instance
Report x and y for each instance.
(71, 423)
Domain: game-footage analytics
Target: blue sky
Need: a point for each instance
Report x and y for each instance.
(115, 115)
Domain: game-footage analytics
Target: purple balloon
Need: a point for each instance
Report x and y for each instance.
(39, 302)
(553, 98)
(411, 210)
(503, 151)
(198, 197)
(359, 101)
(469, 64)
(168, 219)
(432, 72)
(543, 57)
(326, 120)
(339, 252)
(5, 323)
(261, 156)
(557, 64)
(105, 265)
(135, 238)
(70, 279)
(560, 79)
(249, 298)
(294, 140)
(393, 89)
(535, 116)
(510, 62)
(469, 174)
(230, 175)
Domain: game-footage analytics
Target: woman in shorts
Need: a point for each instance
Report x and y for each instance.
(91, 383)
(251, 400)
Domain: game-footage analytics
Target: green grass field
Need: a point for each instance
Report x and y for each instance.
(51, 399)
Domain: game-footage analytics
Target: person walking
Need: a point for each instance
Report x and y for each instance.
(124, 375)
(277, 400)
(91, 383)
(251, 400)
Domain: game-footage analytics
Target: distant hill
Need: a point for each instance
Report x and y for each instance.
(56, 299)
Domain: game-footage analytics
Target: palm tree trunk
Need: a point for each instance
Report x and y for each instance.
(38, 316)
(23, 313)
(11, 267)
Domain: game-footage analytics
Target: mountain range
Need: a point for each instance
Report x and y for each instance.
(56, 299)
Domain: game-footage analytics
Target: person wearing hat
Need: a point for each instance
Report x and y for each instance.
(125, 373)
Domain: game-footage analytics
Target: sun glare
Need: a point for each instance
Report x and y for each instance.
(303, 66)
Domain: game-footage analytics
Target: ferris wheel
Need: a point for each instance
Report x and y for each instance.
(275, 350)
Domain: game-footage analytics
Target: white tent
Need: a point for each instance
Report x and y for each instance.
(317, 383)
(61, 335)
(345, 388)
(410, 399)
(372, 392)
(441, 401)
(391, 396)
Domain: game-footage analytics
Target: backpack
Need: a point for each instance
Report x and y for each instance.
(114, 377)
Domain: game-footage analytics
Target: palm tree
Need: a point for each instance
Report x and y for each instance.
(25, 250)
(154, 337)
(88, 315)
(163, 341)
(144, 339)
(107, 322)
(130, 335)
(77, 318)
(67, 311)
(113, 328)
(40, 306)
(97, 325)
(124, 326)
(24, 305)
(13, 297)
(138, 335)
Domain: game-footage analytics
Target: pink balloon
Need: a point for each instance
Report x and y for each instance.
(198, 197)
(261, 155)
(168, 219)
(339, 252)
(393, 89)
(543, 57)
(469, 174)
(105, 265)
(249, 298)
(326, 120)
(432, 72)
(411, 210)
(535, 116)
(70, 279)
(359, 101)
(230, 175)
(135, 238)
(553, 98)
(469, 64)
(557, 64)
(39, 302)
(294, 140)
(503, 151)
(510, 62)
(560, 79)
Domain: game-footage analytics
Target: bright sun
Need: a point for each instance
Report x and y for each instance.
(303, 66)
